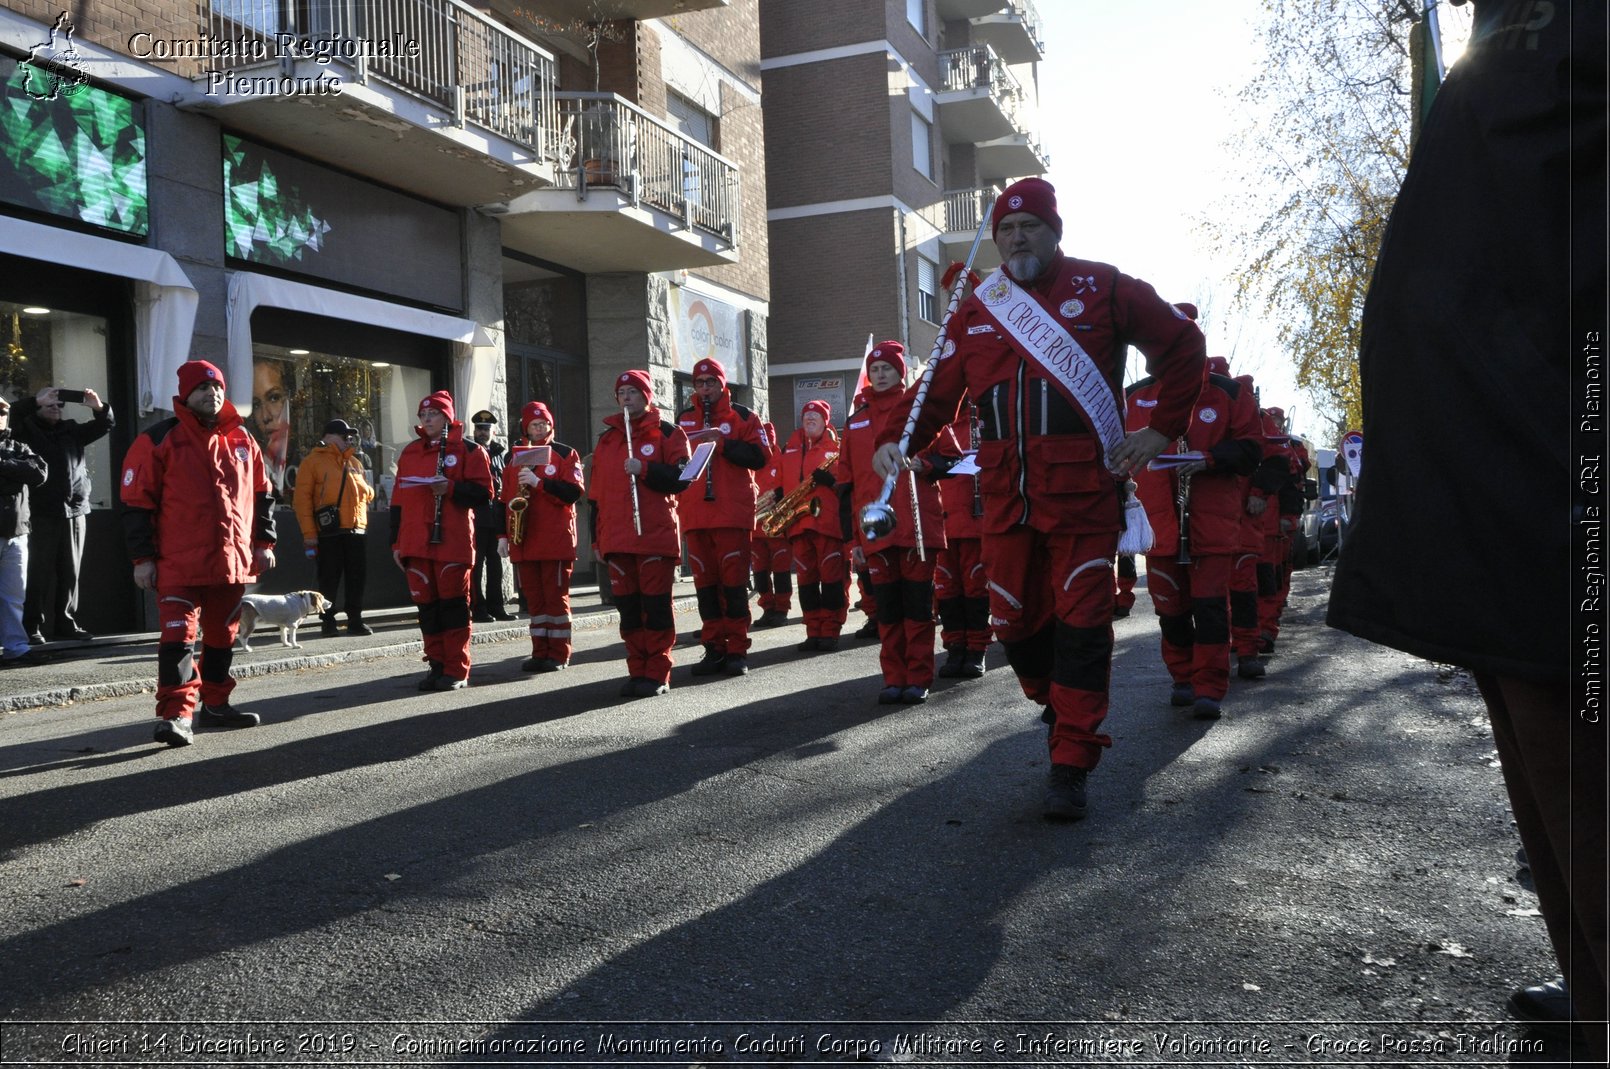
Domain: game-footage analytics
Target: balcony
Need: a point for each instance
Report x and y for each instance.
(432, 96)
(580, 12)
(1013, 31)
(964, 211)
(967, 9)
(980, 99)
(631, 194)
(1013, 156)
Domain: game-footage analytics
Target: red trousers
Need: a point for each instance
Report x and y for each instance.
(961, 591)
(641, 588)
(546, 586)
(771, 560)
(720, 560)
(440, 591)
(1051, 606)
(1193, 609)
(1125, 592)
(823, 572)
(181, 613)
(1274, 583)
(1244, 604)
(904, 587)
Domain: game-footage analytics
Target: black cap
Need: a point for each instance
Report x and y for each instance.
(483, 416)
(339, 426)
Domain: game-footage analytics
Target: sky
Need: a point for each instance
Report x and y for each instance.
(1138, 114)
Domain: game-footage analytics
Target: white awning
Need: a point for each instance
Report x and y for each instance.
(165, 301)
(248, 291)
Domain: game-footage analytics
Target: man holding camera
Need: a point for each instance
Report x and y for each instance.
(59, 509)
(332, 508)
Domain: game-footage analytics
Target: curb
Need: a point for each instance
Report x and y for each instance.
(593, 620)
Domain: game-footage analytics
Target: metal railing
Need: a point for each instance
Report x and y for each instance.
(442, 50)
(608, 141)
(965, 209)
(1025, 11)
(979, 67)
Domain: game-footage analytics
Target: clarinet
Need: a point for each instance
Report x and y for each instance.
(974, 438)
(441, 471)
(710, 468)
(1182, 498)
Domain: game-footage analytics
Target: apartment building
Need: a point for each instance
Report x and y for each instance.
(890, 126)
(346, 204)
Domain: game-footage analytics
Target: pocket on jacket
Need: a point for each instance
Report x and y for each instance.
(1069, 464)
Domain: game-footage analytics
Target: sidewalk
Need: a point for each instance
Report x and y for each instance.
(118, 665)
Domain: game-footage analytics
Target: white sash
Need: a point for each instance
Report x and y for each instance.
(1037, 334)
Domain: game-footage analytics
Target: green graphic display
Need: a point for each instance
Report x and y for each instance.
(78, 153)
(263, 220)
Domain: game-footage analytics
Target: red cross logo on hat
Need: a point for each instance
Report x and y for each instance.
(1015, 202)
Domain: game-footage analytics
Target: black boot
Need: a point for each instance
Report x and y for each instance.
(713, 664)
(955, 657)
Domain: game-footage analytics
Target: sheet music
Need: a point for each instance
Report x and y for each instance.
(694, 468)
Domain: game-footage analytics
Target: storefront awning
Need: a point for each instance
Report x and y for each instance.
(248, 291)
(164, 300)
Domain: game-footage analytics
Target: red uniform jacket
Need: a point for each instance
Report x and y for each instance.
(197, 500)
(413, 508)
(663, 449)
(1226, 428)
(859, 442)
(1042, 465)
(550, 517)
(798, 461)
(725, 495)
(1273, 474)
(957, 493)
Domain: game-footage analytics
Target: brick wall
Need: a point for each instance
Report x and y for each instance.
(835, 280)
(828, 131)
(790, 26)
(110, 23)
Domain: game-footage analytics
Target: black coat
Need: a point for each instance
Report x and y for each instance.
(21, 470)
(66, 491)
(1460, 547)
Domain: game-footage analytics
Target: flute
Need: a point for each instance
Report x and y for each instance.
(637, 515)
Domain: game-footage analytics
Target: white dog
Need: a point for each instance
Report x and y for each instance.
(287, 611)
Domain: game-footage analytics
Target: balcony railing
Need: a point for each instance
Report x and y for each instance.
(442, 50)
(1025, 10)
(978, 67)
(966, 209)
(608, 141)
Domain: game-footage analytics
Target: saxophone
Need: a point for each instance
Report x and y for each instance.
(517, 517)
(776, 519)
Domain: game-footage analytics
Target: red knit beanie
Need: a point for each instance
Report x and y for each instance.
(534, 410)
(441, 401)
(711, 368)
(821, 408)
(1218, 365)
(1033, 195)
(1186, 309)
(890, 352)
(636, 378)
(195, 372)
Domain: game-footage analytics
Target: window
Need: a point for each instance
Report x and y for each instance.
(917, 15)
(927, 289)
(922, 145)
(691, 120)
(49, 347)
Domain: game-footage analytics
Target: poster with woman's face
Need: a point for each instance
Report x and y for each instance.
(270, 421)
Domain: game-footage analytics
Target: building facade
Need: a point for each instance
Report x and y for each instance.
(890, 127)
(346, 204)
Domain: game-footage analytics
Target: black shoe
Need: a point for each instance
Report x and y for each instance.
(650, 688)
(358, 627)
(629, 688)
(954, 657)
(891, 695)
(330, 629)
(227, 716)
(175, 732)
(78, 634)
(913, 695)
(435, 673)
(1205, 709)
(713, 663)
(1250, 667)
(972, 665)
(827, 643)
(502, 617)
(36, 638)
(772, 618)
(1064, 794)
(31, 659)
(482, 617)
(449, 683)
(1182, 695)
(1548, 1003)
(868, 629)
(1120, 611)
(810, 645)
(1266, 645)
(535, 664)
(736, 665)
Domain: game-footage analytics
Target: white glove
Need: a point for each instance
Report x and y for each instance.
(503, 547)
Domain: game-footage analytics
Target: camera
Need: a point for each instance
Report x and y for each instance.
(70, 397)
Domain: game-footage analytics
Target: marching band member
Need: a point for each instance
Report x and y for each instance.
(1244, 638)
(1195, 511)
(1038, 347)
(637, 466)
(771, 559)
(442, 477)
(1278, 481)
(717, 511)
(902, 578)
(815, 539)
(539, 534)
(960, 585)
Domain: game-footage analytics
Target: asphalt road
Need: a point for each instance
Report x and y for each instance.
(774, 868)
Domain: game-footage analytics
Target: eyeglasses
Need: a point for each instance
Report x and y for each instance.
(707, 382)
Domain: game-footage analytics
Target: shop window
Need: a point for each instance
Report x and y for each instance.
(295, 393)
(47, 347)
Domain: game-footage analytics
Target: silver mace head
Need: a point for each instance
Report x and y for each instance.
(877, 520)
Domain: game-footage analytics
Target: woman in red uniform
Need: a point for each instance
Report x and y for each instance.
(636, 531)
(771, 558)
(542, 540)
(960, 584)
(816, 541)
(902, 579)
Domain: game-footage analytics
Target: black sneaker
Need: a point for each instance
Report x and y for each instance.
(629, 688)
(650, 688)
(827, 643)
(954, 657)
(1548, 1003)
(435, 673)
(1205, 709)
(175, 732)
(810, 645)
(535, 664)
(736, 665)
(31, 659)
(1182, 695)
(868, 629)
(1064, 794)
(1119, 612)
(36, 638)
(913, 695)
(358, 627)
(78, 634)
(1250, 667)
(227, 716)
(891, 695)
(330, 629)
(972, 665)
(446, 682)
(772, 618)
(713, 663)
